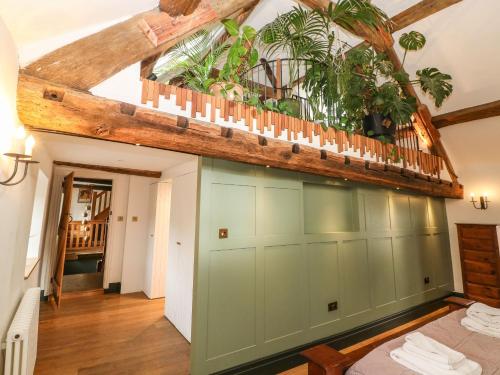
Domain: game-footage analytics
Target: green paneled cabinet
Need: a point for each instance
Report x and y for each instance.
(305, 258)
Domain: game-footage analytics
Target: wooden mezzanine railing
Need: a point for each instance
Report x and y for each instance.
(293, 128)
(86, 238)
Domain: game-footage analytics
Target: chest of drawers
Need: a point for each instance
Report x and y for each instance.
(480, 260)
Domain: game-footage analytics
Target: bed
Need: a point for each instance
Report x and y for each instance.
(375, 359)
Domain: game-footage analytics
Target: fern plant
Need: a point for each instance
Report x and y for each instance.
(311, 35)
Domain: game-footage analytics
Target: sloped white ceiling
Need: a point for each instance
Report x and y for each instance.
(40, 26)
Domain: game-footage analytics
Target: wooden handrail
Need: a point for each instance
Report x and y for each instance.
(86, 237)
(101, 201)
(235, 112)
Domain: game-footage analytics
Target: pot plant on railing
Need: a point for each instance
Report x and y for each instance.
(312, 35)
(372, 89)
(241, 56)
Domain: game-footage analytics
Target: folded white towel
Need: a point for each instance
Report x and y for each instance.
(477, 326)
(423, 367)
(488, 315)
(432, 350)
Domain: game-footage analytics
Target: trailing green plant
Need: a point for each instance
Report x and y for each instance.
(370, 84)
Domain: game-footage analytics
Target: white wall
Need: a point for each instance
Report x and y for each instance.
(136, 235)
(181, 249)
(474, 151)
(159, 226)
(16, 202)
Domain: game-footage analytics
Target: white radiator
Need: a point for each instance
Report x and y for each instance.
(23, 335)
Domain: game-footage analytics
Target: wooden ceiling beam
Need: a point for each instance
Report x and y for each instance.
(91, 60)
(104, 168)
(380, 39)
(177, 8)
(420, 11)
(478, 112)
(52, 107)
(148, 65)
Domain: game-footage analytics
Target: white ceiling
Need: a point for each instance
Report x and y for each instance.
(111, 154)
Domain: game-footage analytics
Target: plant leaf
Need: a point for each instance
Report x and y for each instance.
(412, 41)
(249, 33)
(436, 84)
(231, 26)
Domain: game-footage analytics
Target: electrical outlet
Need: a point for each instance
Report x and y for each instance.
(427, 280)
(332, 306)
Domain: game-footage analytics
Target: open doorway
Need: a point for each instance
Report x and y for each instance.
(87, 233)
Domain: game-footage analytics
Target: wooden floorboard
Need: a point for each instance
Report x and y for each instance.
(95, 333)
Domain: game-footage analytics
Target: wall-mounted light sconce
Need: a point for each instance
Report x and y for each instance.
(483, 201)
(21, 152)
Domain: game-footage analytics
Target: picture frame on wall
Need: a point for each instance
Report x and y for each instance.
(84, 195)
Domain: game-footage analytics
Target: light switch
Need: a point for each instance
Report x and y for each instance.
(135, 218)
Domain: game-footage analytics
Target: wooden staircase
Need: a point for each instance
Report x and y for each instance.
(101, 202)
(89, 237)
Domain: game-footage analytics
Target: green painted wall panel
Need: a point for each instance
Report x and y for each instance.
(378, 217)
(296, 243)
(382, 276)
(283, 211)
(233, 208)
(231, 308)
(400, 212)
(323, 282)
(418, 206)
(329, 209)
(355, 277)
(283, 312)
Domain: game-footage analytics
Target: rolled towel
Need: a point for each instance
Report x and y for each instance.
(423, 367)
(432, 350)
(476, 326)
(484, 313)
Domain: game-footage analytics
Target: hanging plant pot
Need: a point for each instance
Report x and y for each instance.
(227, 90)
(291, 106)
(376, 125)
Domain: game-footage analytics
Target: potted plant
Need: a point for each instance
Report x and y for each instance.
(310, 35)
(241, 56)
(372, 95)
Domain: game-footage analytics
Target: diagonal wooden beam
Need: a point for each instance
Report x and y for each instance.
(477, 112)
(147, 65)
(381, 41)
(93, 59)
(52, 107)
(177, 8)
(420, 11)
(379, 38)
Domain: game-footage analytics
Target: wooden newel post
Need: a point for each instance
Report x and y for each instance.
(324, 360)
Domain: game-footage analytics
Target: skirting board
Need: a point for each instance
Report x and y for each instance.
(291, 358)
(113, 288)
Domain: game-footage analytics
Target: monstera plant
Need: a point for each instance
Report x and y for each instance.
(374, 91)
